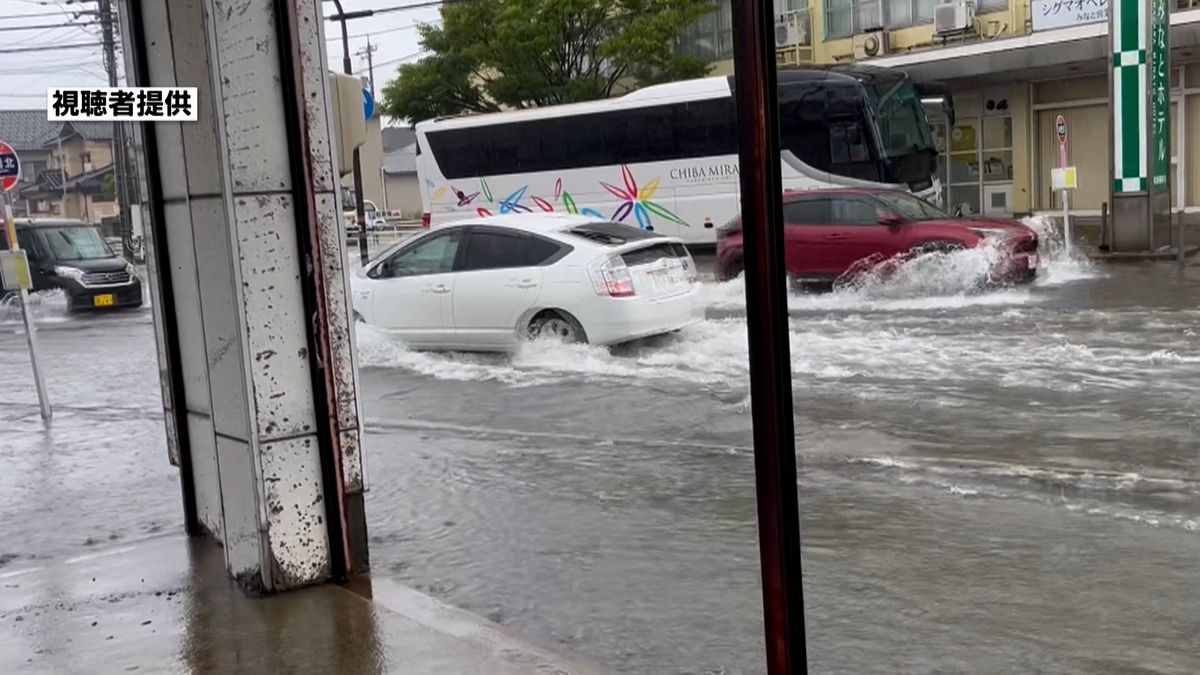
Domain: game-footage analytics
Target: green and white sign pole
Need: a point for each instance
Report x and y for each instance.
(1140, 101)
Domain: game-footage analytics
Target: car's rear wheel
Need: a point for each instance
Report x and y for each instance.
(558, 325)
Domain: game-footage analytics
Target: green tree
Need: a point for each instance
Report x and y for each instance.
(109, 185)
(492, 54)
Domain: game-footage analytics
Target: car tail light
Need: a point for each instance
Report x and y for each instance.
(426, 217)
(611, 277)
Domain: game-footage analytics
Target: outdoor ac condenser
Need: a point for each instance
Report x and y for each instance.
(957, 16)
(790, 32)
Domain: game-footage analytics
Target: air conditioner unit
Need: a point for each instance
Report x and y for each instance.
(951, 18)
(790, 32)
(870, 45)
(87, 167)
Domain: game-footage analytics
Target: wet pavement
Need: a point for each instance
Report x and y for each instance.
(167, 606)
(995, 482)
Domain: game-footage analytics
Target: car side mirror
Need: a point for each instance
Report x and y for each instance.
(891, 221)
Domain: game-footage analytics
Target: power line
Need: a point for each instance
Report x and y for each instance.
(374, 33)
(51, 48)
(48, 26)
(401, 58)
(396, 8)
(42, 15)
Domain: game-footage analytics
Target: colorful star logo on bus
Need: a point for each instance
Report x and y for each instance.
(569, 202)
(638, 201)
(510, 204)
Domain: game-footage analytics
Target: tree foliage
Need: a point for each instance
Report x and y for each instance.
(488, 55)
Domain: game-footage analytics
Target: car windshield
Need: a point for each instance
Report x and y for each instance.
(75, 242)
(913, 208)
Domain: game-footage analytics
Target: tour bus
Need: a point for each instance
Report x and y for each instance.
(664, 158)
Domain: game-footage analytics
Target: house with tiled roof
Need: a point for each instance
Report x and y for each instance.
(64, 165)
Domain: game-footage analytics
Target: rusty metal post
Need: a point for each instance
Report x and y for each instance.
(767, 328)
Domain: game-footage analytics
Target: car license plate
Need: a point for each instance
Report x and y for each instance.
(1032, 262)
(106, 300)
(666, 278)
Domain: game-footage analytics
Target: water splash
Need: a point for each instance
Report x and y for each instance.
(1059, 265)
(44, 307)
(930, 281)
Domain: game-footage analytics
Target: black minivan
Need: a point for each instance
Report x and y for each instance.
(71, 255)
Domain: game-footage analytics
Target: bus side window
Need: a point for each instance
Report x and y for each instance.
(849, 151)
(803, 130)
(846, 143)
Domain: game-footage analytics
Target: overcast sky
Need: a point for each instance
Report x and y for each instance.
(24, 76)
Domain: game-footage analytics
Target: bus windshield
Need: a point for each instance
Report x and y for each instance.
(902, 124)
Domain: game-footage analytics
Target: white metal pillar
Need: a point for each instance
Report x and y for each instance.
(248, 266)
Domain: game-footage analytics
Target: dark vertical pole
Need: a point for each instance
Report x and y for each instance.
(156, 230)
(767, 326)
(120, 165)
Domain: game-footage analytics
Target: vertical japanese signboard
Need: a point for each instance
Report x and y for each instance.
(1160, 95)
(1129, 82)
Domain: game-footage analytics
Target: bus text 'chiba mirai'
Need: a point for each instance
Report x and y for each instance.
(664, 158)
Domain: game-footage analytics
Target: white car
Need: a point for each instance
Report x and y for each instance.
(487, 283)
(374, 217)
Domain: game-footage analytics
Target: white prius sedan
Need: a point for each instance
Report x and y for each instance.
(487, 283)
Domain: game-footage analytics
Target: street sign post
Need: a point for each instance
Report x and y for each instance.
(10, 175)
(1060, 179)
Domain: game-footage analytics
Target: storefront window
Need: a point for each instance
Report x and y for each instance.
(975, 160)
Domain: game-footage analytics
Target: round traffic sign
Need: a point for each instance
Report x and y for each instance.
(10, 167)
(1060, 127)
(368, 104)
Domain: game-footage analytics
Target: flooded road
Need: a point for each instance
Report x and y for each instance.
(997, 482)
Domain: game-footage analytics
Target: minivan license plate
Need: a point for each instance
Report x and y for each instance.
(106, 300)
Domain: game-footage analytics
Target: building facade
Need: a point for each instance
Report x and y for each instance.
(1014, 67)
(66, 167)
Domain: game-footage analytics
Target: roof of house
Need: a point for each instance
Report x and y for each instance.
(30, 130)
(401, 161)
(26, 129)
(89, 131)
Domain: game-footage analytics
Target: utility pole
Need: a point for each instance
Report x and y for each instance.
(348, 68)
(120, 162)
(369, 52)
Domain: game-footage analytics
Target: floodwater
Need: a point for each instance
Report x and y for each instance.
(1005, 481)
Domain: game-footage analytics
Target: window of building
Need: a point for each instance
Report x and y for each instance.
(710, 38)
(30, 169)
(844, 18)
(975, 157)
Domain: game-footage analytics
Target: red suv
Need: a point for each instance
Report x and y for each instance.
(832, 234)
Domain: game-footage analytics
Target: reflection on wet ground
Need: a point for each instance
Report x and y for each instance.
(990, 482)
